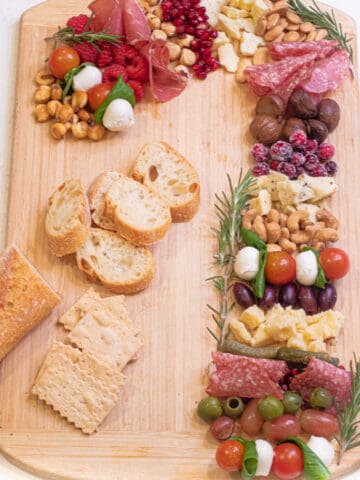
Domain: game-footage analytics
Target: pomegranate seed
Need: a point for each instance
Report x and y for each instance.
(166, 16)
(178, 22)
(213, 34)
(201, 10)
(174, 12)
(195, 45)
(180, 29)
(190, 30)
(206, 44)
(203, 26)
(201, 75)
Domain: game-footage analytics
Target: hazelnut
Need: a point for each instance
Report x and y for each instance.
(302, 105)
(65, 113)
(265, 129)
(158, 35)
(58, 130)
(80, 129)
(95, 132)
(291, 125)
(44, 78)
(329, 113)
(317, 130)
(43, 94)
(41, 113)
(187, 57)
(78, 100)
(153, 21)
(271, 105)
(184, 71)
(56, 92)
(169, 28)
(84, 115)
(53, 106)
(185, 41)
(174, 50)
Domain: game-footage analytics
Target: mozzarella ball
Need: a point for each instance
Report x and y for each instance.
(247, 263)
(87, 78)
(306, 268)
(265, 457)
(119, 115)
(323, 449)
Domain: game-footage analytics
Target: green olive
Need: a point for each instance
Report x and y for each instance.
(270, 408)
(209, 408)
(320, 398)
(292, 401)
(233, 406)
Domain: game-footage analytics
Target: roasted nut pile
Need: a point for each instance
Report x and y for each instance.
(69, 114)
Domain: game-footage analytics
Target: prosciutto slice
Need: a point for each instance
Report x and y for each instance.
(236, 375)
(322, 48)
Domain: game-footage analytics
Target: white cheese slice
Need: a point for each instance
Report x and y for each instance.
(228, 58)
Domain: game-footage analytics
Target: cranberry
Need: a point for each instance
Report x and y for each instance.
(331, 167)
(274, 165)
(319, 171)
(281, 151)
(311, 162)
(288, 169)
(260, 153)
(298, 139)
(297, 159)
(311, 146)
(326, 151)
(261, 168)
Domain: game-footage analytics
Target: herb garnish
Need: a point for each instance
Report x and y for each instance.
(252, 240)
(314, 468)
(325, 20)
(68, 79)
(229, 212)
(349, 435)
(321, 280)
(250, 458)
(119, 90)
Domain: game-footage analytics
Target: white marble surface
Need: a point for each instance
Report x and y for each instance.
(10, 12)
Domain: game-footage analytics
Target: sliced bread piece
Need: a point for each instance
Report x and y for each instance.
(167, 172)
(96, 195)
(68, 218)
(141, 215)
(25, 298)
(119, 265)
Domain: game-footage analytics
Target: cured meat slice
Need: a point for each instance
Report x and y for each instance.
(265, 78)
(236, 375)
(288, 86)
(165, 83)
(323, 374)
(328, 73)
(322, 48)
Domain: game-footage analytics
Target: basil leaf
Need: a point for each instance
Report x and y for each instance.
(119, 90)
(68, 79)
(251, 239)
(250, 461)
(321, 280)
(239, 439)
(314, 468)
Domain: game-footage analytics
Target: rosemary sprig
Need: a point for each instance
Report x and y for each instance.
(228, 210)
(325, 20)
(349, 435)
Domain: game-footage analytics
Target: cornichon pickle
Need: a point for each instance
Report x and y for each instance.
(237, 348)
(300, 356)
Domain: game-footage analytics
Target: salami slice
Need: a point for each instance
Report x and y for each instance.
(329, 73)
(288, 86)
(265, 78)
(323, 374)
(236, 375)
(322, 48)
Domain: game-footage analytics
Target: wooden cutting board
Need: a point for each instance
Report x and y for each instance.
(153, 432)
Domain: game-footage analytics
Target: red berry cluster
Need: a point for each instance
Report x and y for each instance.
(191, 18)
(297, 157)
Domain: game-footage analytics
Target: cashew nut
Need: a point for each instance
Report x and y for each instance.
(273, 216)
(273, 231)
(283, 219)
(303, 236)
(285, 233)
(287, 246)
(293, 222)
(327, 235)
(273, 247)
(249, 217)
(330, 220)
(259, 228)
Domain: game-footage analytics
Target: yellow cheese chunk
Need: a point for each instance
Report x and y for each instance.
(229, 26)
(233, 12)
(279, 325)
(316, 346)
(297, 341)
(258, 9)
(246, 4)
(252, 317)
(240, 332)
(261, 337)
(262, 203)
(269, 183)
(324, 325)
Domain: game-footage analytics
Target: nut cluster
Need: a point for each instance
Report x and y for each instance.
(294, 231)
(69, 113)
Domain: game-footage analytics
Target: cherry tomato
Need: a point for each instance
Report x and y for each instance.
(280, 268)
(229, 455)
(97, 94)
(62, 60)
(251, 421)
(335, 263)
(288, 462)
(318, 423)
(282, 427)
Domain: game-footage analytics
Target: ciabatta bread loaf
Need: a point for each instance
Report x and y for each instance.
(68, 218)
(25, 298)
(166, 171)
(96, 195)
(141, 215)
(119, 265)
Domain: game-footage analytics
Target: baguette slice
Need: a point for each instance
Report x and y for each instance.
(140, 215)
(119, 265)
(25, 298)
(68, 218)
(96, 195)
(167, 172)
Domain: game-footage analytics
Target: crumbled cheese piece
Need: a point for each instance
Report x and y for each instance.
(240, 332)
(297, 341)
(252, 317)
(261, 337)
(233, 12)
(311, 209)
(262, 203)
(228, 57)
(250, 43)
(229, 26)
(221, 39)
(322, 187)
(212, 10)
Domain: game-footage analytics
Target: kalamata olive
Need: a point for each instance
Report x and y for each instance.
(302, 104)
(272, 105)
(243, 295)
(317, 130)
(307, 299)
(251, 421)
(288, 295)
(269, 298)
(282, 427)
(318, 423)
(222, 428)
(327, 298)
(329, 113)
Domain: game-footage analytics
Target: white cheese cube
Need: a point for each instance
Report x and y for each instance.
(230, 26)
(250, 43)
(228, 58)
(212, 10)
(221, 39)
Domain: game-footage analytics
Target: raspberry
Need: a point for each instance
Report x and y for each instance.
(326, 151)
(123, 54)
(78, 23)
(261, 168)
(259, 152)
(138, 69)
(311, 145)
(274, 165)
(104, 58)
(297, 159)
(281, 151)
(311, 162)
(298, 139)
(331, 167)
(87, 52)
(288, 169)
(138, 88)
(112, 73)
(319, 171)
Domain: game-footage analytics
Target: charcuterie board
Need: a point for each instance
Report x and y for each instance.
(153, 431)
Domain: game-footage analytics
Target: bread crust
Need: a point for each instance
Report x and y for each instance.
(96, 193)
(25, 298)
(70, 240)
(182, 212)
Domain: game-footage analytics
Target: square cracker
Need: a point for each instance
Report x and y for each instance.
(79, 387)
